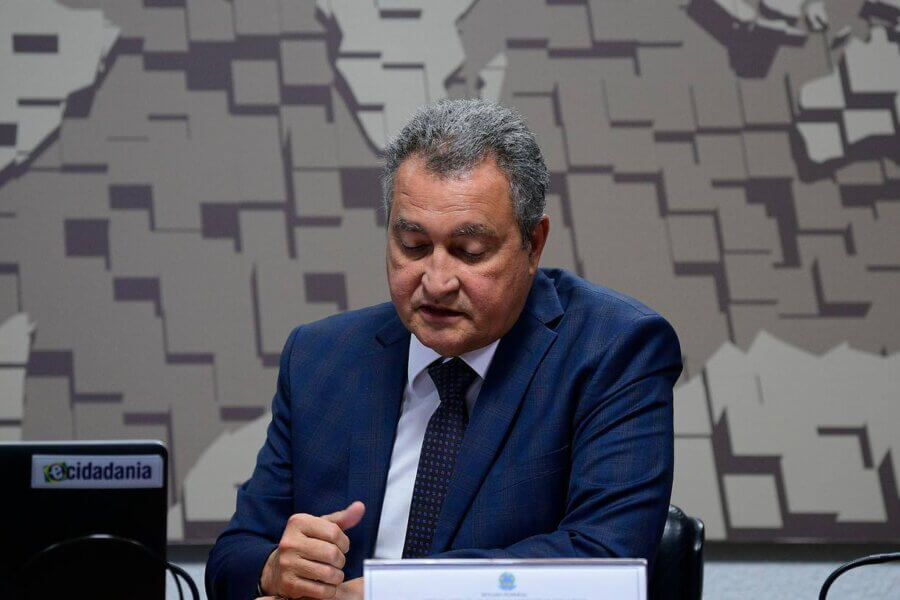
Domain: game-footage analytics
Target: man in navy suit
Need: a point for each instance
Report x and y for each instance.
(492, 409)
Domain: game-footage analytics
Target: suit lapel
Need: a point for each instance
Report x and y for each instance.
(518, 356)
(375, 417)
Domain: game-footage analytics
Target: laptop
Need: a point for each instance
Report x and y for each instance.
(83, 519)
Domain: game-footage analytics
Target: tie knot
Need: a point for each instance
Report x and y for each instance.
(451, 378)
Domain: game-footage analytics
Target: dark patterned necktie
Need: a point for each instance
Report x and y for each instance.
(439, 449)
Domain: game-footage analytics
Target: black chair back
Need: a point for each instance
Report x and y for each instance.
(678, 569)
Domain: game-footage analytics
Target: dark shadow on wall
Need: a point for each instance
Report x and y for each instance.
(751, 50)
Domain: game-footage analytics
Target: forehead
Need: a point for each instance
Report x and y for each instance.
(481, 193)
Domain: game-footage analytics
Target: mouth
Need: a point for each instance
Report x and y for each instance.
(438, 313)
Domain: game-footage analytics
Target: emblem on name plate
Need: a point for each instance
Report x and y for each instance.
(507, 582)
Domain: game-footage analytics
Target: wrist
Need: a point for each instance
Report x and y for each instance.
(264, 585)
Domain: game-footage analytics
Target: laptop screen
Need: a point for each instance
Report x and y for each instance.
(78, 519)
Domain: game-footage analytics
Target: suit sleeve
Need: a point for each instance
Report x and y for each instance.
(264, 504)
(622, 454)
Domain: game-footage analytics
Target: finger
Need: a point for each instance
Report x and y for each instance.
(349, 517)
(351, 590)
(319, 551)
(320, 529)
(317, 571)
(296, 587)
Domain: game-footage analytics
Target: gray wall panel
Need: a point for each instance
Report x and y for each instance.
(182, 184)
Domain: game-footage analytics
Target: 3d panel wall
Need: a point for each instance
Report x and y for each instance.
(183, 181)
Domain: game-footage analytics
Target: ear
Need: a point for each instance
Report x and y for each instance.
(538, 241)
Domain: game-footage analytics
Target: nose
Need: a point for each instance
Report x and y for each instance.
(440, 281)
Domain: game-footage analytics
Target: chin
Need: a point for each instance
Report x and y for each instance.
(442, 347)
(441, 344)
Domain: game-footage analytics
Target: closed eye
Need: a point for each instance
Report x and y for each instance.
(471, 256)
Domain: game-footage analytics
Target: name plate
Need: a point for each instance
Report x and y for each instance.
(499, 579)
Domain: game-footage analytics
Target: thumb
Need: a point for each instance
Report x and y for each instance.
(349, 517)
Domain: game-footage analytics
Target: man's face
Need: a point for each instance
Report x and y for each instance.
(458, 272)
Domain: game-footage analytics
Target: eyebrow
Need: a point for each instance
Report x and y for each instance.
(473, 230)
(402, 225)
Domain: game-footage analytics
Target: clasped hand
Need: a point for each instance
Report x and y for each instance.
(309, 559)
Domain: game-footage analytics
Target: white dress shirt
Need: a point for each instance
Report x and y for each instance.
(420, 400)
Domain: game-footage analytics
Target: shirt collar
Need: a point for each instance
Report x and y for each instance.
(420, 356)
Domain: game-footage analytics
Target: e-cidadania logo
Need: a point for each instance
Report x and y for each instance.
(78, 471)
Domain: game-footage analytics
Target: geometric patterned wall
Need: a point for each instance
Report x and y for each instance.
(183, 181)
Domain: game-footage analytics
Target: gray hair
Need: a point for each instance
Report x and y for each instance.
(453, 136)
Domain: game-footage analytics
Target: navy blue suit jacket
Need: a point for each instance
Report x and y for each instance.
(568, 451)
